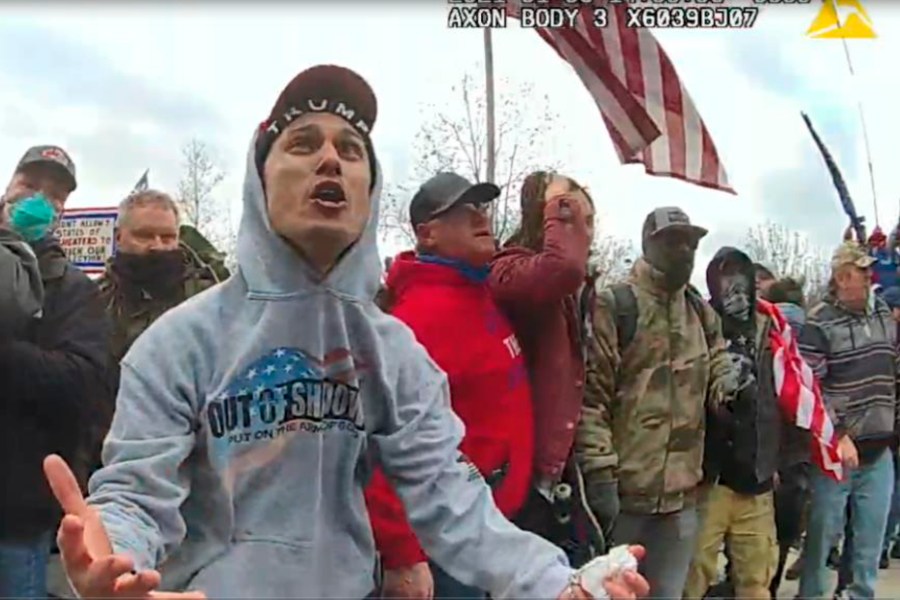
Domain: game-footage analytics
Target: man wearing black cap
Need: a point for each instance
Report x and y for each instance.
(51, 363)
(249, 418)
(656, 362)
(440, 291)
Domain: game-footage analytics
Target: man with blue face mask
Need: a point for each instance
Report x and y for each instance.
(53, 337)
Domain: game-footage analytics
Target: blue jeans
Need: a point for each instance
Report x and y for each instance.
(890, 534)
(23, 567)
(447, 588)
(670, 541)
(868, 490)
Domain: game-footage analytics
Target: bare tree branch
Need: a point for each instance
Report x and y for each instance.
(788, 253)
(453, 137)
(199, 207)
(611, 259)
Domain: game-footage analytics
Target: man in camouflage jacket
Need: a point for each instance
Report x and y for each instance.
(157, 266)
(656, 363)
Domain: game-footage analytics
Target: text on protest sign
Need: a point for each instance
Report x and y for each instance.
(88, 237)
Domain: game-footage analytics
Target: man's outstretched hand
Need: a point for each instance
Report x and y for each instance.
(628, 585)
(92, 568)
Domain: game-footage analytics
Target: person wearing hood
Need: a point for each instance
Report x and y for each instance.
(53, 338)
(249, 418)
(743, 439)
(440, 291)
(850, 342)
(656, 361)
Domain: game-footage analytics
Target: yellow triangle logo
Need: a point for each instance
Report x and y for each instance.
(828, 25)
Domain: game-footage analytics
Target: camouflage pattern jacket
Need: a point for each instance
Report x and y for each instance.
(644, 415)
(131, 318)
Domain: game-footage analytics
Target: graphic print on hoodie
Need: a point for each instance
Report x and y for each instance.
(284, 392)
(247, 421)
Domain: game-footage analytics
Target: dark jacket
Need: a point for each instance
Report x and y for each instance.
(744, 438)
(133, 311)
(50, 378)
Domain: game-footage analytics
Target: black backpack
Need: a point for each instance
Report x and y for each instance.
(626, 314)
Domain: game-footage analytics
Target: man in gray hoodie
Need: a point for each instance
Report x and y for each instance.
(248, 418)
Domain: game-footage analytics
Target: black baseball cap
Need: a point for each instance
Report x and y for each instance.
(668, 218)
(444, 191)
(51, 155)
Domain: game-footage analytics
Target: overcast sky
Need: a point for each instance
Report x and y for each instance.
(122, 88)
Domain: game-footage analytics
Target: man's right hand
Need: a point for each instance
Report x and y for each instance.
(566, 206)
(92, 568)
(408, 583)
(847, 452)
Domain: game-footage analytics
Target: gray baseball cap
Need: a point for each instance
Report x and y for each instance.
(444, 191)
(53, 155)
(667, 218)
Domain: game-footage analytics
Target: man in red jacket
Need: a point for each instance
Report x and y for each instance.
(441, 292)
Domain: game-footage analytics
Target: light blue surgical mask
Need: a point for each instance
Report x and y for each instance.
(33, 217)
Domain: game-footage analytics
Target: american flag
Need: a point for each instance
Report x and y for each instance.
(648, 113)
(142, 185)
(799, 394)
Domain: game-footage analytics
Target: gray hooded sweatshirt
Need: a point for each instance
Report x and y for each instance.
(247, 422)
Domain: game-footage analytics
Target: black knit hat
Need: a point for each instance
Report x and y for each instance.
(323, 88)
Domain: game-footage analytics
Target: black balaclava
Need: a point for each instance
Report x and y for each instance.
(159, 273)
(675, 261)
(669, 244)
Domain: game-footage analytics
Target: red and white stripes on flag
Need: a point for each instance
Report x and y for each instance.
(799, 394)
(648, 113)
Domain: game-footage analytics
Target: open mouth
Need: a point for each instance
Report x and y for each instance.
(330, 194)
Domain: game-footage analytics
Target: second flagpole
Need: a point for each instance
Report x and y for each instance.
(490, 174)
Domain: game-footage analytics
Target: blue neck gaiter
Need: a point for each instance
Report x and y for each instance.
(477, 274)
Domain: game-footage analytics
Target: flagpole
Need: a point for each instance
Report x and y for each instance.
(489, 104)
(865, 132)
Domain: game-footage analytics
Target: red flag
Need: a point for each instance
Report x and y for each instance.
(799, 394)
(648, 113)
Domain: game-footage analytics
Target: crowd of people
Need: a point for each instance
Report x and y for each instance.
(483, 422)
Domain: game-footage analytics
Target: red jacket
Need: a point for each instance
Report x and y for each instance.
(457, 321)
(539, 293)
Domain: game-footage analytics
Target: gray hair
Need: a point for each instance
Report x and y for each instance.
(146, 198)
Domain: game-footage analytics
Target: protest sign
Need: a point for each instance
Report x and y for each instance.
(88, 237)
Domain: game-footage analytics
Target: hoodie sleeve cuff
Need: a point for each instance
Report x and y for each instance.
(549, 584)
(401, 558)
